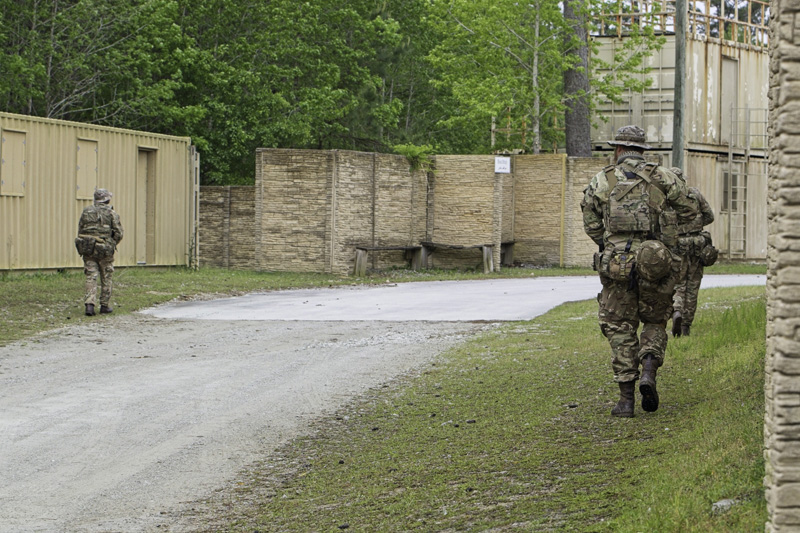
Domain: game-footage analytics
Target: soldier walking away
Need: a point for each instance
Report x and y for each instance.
(631, 210)
(697, 251)
(99, 233)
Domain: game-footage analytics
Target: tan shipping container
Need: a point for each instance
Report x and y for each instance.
(49, 170)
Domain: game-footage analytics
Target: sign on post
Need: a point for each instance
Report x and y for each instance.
(502, 165)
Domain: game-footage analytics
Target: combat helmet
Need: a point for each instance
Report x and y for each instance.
(630, 136)
(653, 261)
(102, 196)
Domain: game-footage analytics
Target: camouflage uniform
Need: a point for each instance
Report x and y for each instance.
(690, 241)
(625, 300)
(99, 232)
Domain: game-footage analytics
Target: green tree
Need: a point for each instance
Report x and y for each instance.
(503, 59)
(510, 60)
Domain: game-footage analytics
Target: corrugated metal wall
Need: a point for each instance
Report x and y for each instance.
(725, 125)
(150, 175)
(743, 72)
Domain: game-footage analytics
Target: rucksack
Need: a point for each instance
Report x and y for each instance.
(637, 204)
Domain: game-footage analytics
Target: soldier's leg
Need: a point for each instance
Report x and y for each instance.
(655, 300)
(693, 281)
(655, 304)
(679, 296)
(106, 273)
(619, 322)
(91, 269)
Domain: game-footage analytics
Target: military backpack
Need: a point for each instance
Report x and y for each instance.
(96, 239)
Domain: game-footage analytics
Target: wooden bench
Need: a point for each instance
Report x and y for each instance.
(417, 253)
(487, 249)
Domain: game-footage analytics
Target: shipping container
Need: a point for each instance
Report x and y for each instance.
(49, 170)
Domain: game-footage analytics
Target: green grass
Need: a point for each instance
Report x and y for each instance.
(31, 303)
(511, 431)
(34, 302)
(508, 431)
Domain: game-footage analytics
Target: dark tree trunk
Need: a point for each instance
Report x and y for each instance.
(577, 123)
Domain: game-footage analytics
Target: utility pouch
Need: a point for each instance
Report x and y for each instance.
(596, 261)
(709, 254)
(617, 265)
(85, 244)
(104, 248)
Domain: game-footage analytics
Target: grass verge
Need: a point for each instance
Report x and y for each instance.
(34, 302)
(511, 431)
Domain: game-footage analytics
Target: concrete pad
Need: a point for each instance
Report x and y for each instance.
(478, 300)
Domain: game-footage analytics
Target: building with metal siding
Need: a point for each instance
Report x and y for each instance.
(49, 170)
(725, 110)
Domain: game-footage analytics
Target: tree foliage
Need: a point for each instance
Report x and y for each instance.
(235, 75)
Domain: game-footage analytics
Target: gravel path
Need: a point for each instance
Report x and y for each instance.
(118, 425)
(124, 423)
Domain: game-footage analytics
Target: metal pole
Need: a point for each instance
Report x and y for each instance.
(731, 141)
(680, 78)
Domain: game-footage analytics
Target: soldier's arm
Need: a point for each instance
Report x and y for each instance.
(685, 207)
(116, 229)
(592, 216)
(706, 211)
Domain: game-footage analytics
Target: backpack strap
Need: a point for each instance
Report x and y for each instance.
(611, 176)
(646, 172)
(635, 180)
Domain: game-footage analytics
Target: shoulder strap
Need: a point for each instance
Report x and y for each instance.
(646, 173)
(611, 176)
(636, 181)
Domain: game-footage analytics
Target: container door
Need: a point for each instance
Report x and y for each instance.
(145, 208)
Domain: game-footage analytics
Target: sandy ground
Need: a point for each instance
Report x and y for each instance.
(124, 423)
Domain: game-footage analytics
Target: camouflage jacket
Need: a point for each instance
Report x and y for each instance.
(661, 205)
(100, 220)
(703, 217)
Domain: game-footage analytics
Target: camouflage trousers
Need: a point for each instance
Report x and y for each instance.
(687, 288)
(92, 268)
(622, 310)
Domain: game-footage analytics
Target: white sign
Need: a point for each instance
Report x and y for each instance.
(502, 165)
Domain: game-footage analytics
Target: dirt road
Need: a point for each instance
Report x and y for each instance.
(122, 423)
(117, 425)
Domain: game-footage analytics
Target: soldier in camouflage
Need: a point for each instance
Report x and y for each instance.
(631, 210)
(99, 233)
(691, 241)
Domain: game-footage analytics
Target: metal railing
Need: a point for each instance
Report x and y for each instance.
(744, 22)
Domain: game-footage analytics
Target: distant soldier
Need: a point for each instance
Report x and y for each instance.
(99, 233)
(631, 210)
(697, 251)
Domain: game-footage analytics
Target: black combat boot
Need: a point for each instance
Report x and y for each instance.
(90, 310)
(624, 407)
(685, 330)
(647, 384)
(677, 319)
(105, 309)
